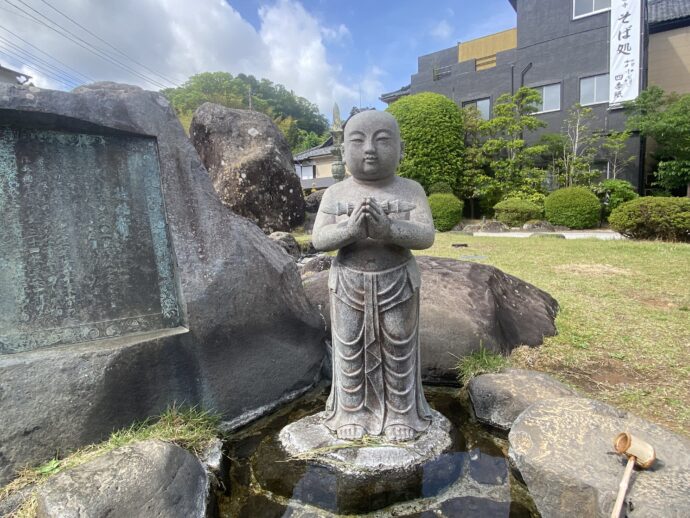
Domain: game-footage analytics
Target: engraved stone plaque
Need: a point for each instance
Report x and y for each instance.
(84, 246)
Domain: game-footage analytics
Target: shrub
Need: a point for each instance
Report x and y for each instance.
(514, 211)
(438, 187)
(653, 218)
(618, 191)
(446, 209)
(573, 207)
(431, 125)
(535, 197)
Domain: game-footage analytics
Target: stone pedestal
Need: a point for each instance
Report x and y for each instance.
(357, 477)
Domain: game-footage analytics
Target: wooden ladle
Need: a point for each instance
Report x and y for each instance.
(639, 452)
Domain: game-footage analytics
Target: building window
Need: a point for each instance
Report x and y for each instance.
(550, 98)
(305, 172)
(594, 90)
(586, 7)
(483, 105)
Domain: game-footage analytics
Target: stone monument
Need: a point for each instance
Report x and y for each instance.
(373, 219)
(124, 281)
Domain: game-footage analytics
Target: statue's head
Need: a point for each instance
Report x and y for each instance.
(372, 145)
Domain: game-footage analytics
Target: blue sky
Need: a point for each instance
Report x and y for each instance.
(389, 36)
(323, 50)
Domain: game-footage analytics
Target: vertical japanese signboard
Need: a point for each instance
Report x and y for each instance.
(625, 60)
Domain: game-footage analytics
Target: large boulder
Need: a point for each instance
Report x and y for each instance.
(465, 306)
(486, 226)
(538, 226)
(146, 479)
(288, 243)
(250, 165)
(313, 201)
(247, 336)
(563, 449)
(498, 398)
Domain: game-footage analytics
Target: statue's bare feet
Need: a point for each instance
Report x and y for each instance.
(399, 432)
(351, 432)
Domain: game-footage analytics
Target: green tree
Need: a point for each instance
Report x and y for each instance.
(477, 164)
(569, 155)
(431, 126)
(665, 118)
(245, 92)
(580, 147)
(308, 140)
(614, 149)
(512, 163)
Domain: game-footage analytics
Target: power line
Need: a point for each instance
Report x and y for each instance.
(84, 44)
(26, 55)
(86, 78)
(110, 45)
(15, 13)
(12, 57)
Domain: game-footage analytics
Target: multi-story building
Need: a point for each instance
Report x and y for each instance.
(563, 49)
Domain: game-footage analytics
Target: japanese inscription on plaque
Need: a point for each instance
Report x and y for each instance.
(84, 246)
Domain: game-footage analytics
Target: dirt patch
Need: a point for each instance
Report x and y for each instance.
(602, 375)
(654, 302)
(592, 269)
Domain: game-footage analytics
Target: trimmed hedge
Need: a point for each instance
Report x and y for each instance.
(573, 207)
(514, 212)
(653, 218)
(433, 129)
(446, 210)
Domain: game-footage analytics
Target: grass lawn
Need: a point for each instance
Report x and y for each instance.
(624, 323)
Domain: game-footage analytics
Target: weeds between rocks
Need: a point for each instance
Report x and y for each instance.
(479, 362)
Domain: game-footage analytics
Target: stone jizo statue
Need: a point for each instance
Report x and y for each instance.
(373, 219)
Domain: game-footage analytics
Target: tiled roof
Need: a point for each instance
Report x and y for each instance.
(405, 90)
(660, 11)
(320, 150)
(313, 152)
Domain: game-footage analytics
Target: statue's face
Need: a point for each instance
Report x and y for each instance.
(372, 145)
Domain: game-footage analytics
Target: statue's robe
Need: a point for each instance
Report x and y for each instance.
(375, 335)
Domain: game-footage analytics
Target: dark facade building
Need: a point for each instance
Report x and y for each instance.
(559, 47)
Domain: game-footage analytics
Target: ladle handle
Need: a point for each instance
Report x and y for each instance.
(623, 488)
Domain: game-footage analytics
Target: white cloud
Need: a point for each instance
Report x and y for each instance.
(442, 30)
(179, 38)
(338, 34)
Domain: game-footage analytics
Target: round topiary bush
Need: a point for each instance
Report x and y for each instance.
(573, 207)
(446, 210)
(653, 218)
(437, 187)
(514, 212)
